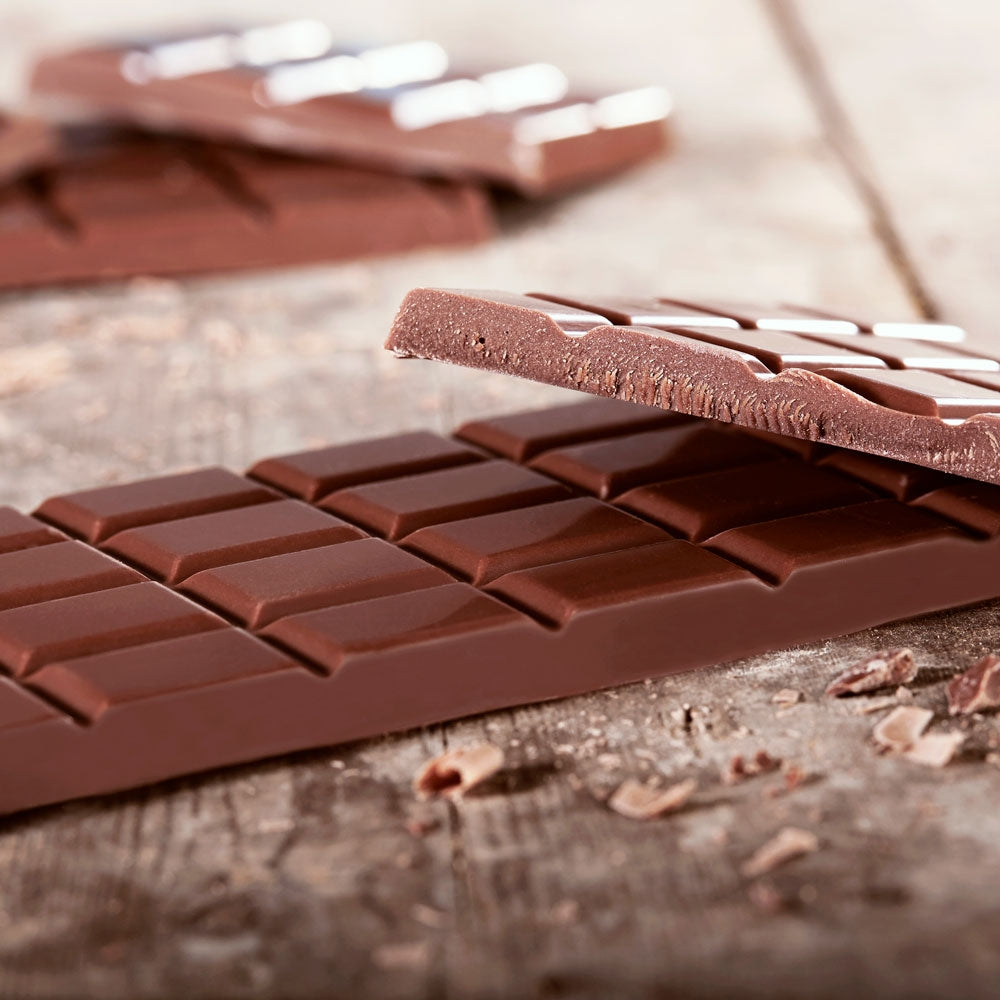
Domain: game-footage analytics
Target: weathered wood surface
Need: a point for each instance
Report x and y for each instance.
(298, 877)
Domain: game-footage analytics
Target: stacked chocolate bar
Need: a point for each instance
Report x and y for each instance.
(277, 145)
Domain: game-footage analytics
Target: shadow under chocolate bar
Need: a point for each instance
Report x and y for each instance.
(403, 106)
(164, 627)
(119, 204)
(25, 144)
(910, 391)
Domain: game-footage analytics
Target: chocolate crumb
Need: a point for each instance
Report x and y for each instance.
(454, 773)
(739, 768)
(418, 827)
(902, 727)
(977, 689)
(788, 844)
(874, 705)
(638, 801)
(429, 916)
(885, 669)
(736, 770)
(767, 898)
(566, 911)
(408, 955)
(787, 697)
(793, 778)
(935, 749)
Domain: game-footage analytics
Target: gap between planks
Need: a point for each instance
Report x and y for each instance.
(805, 56)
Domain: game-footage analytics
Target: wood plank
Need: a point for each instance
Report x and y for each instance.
(299, 877)
(918, 86)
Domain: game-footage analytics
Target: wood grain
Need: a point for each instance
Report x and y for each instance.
(298, 877)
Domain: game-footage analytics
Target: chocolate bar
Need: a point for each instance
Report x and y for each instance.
(155, 629)
(293, 87)
(909, 391)
(118, 205)
(25, 143)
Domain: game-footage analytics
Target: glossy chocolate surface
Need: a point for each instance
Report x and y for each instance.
(159, 628)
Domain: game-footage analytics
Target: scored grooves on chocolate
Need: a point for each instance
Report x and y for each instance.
(910, 391)
(159, 628)
(116, 204)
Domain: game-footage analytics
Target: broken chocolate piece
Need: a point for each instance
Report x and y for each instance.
(455, 772)
(785, 846)
(935, 749)
(913, 399)
(977, 689)
(901, 728)
(638, 801)
(885, 669)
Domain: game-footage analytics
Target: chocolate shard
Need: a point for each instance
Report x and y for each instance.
(638, 801)
(902, 728)
(786, 845)
(888, 668)
(917, 399)
(976, 690)
(456, 772)
(295, 87)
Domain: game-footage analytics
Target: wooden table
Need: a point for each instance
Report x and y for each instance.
(839, 153)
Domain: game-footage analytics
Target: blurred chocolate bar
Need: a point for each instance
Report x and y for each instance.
(407, 107)
(120, 204)
(25, 143)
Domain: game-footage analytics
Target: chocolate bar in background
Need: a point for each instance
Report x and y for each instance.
(25, 144)
(164, 627)
(909, 391)
(119, 204)
(407, 107)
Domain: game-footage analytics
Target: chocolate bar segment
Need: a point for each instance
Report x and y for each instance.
(558, 591)
(915, 398)
(25, 145)
(281, 626)
(396, 507)
(609, 468)
(31, 576)
(17, 531)
(482, 548)
(174, 550)
(312, 475)
(521, 436)
(293, 87)
(90, 686)
(133, 615)
(697, 507)
(96, 515)
(114, 205)
(259, 592)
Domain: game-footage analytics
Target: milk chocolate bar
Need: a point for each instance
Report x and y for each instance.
(25, 143)
(159, 628)
(910, 391)
(124, 204)
(410, 107)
